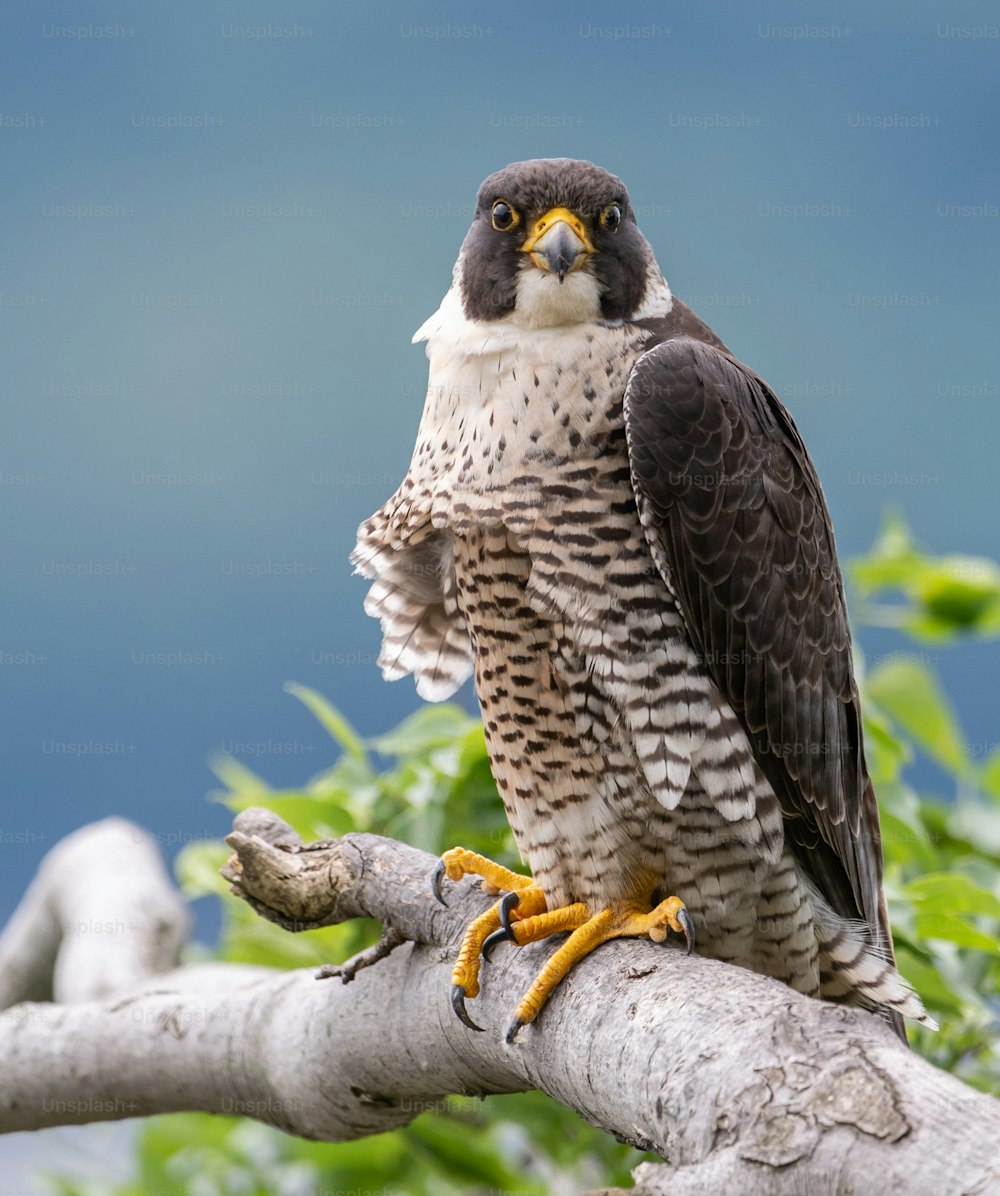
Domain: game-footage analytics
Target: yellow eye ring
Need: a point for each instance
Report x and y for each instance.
(504, 216)
(611, 217)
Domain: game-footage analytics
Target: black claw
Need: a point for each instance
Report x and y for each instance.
(508, 902)
(515, 1028)
(498, 936)
(687, 925)
(458, 1004)
(436, 882)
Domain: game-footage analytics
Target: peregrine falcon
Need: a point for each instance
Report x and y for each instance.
(614, 525)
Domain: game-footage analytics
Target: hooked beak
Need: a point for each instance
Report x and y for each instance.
(558, 242)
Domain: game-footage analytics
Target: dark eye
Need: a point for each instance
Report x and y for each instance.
(504, 216)
(611, 217)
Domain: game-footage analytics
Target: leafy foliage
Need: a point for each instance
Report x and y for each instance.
(942, 850)
(428, 783)
(943, 597)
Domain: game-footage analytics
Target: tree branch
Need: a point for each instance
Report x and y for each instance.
(741, 1084)
(100, 916)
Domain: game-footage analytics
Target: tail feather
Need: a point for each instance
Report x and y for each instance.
(855, 970)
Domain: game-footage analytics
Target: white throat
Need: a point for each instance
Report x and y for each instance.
(544, 307)
(545, 302)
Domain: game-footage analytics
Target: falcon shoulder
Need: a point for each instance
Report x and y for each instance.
(738, 525)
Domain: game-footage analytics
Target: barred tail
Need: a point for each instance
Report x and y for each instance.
(856, 971)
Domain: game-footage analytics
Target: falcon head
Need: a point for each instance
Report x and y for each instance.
(554, 241)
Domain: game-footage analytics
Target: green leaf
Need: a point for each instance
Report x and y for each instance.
(894, 559)
(332, 721)
(254, 790)
(197, 868)
(886, 752)
(953, 893)
(961, 593)
(989, 776)
(909, 693)
(978, 824)
(445, 1141)
(946, 596)
(934, 925)
(437, 726)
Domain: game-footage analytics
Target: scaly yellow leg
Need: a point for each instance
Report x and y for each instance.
(460, 862)
(605, 925)
(533, 929)
(521, 916)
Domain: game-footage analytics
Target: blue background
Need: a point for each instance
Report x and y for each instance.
(222, 223)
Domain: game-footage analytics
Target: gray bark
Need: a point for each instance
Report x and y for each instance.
(100, 915)
(739, 1083)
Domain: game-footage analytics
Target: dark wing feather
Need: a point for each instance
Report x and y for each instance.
(728, 494)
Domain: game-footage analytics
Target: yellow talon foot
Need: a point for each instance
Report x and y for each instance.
(671, 913)
(521, 916)
(465, 974)
(588, 933)
(525, 906)
(459, 862)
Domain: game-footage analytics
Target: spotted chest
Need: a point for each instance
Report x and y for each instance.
(598, 712)
(592, 699)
